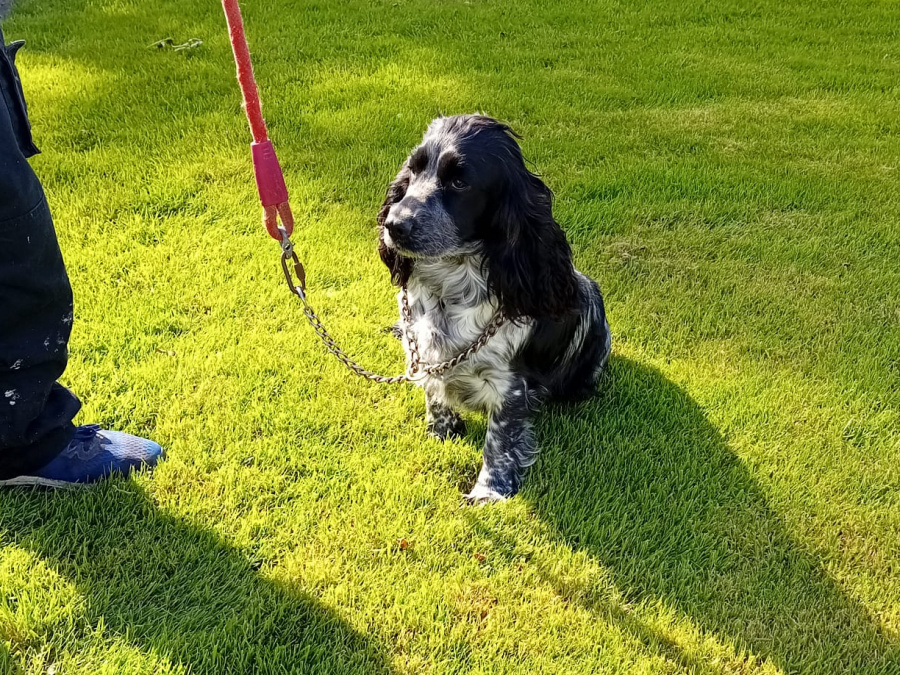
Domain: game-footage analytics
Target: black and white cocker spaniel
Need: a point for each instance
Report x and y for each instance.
(468, 232)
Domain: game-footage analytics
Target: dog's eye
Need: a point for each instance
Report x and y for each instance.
(458, 184)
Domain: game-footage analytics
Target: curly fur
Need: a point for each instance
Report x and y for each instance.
(469, 230)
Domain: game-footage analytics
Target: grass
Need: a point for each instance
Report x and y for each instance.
(730, 502)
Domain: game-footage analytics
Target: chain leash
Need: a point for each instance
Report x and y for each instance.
(415, 369)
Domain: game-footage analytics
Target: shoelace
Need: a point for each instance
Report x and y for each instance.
(86, 433)
(82, 444)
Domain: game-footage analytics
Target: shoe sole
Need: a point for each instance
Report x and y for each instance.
(35, 481)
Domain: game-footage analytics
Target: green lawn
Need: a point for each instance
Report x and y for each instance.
(730, 502)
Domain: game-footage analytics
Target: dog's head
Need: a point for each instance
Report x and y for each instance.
(465, 190)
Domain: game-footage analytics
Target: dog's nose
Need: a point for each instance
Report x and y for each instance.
(399, 225)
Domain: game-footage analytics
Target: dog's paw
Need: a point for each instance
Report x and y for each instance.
(443, 434)
(447, 427)
(394, 330)
(482, 494)
(447, 433)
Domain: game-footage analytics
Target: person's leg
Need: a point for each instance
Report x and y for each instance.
(39, 445)
(35, 301)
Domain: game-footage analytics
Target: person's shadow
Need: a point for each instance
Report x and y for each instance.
(640, 479)
(178, 593)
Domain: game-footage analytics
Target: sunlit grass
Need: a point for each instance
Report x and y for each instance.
(730, 502)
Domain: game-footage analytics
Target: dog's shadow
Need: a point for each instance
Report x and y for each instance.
(640, 479)
(177, 593)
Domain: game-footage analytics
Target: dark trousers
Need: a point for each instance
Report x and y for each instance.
(35, 299)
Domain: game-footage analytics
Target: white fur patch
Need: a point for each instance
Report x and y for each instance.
(450, 309)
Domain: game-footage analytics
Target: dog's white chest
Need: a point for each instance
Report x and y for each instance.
(442, 330)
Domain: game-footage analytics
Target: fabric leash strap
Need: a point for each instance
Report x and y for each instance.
(274, 197)
(269, 178)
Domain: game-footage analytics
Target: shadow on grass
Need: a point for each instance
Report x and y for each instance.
(640, 479)
(176, 591)
(7, 665)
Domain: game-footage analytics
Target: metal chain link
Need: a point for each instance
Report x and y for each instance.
(415, 368)
(332, 346)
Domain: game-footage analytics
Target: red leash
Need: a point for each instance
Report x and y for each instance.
(269, 178)
(274, 197)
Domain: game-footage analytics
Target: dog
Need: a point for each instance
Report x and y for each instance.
(468, 232)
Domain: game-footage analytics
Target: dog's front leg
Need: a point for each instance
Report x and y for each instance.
(443, 421)
(508, 449)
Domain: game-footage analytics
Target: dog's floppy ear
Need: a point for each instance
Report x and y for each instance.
(528, 260)
(399, 266)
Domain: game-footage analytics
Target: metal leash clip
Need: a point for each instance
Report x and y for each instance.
(288, 256)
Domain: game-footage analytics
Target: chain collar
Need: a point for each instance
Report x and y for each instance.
(415, 364)
(415, 369)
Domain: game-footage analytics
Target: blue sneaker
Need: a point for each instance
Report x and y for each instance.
(92, 454)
